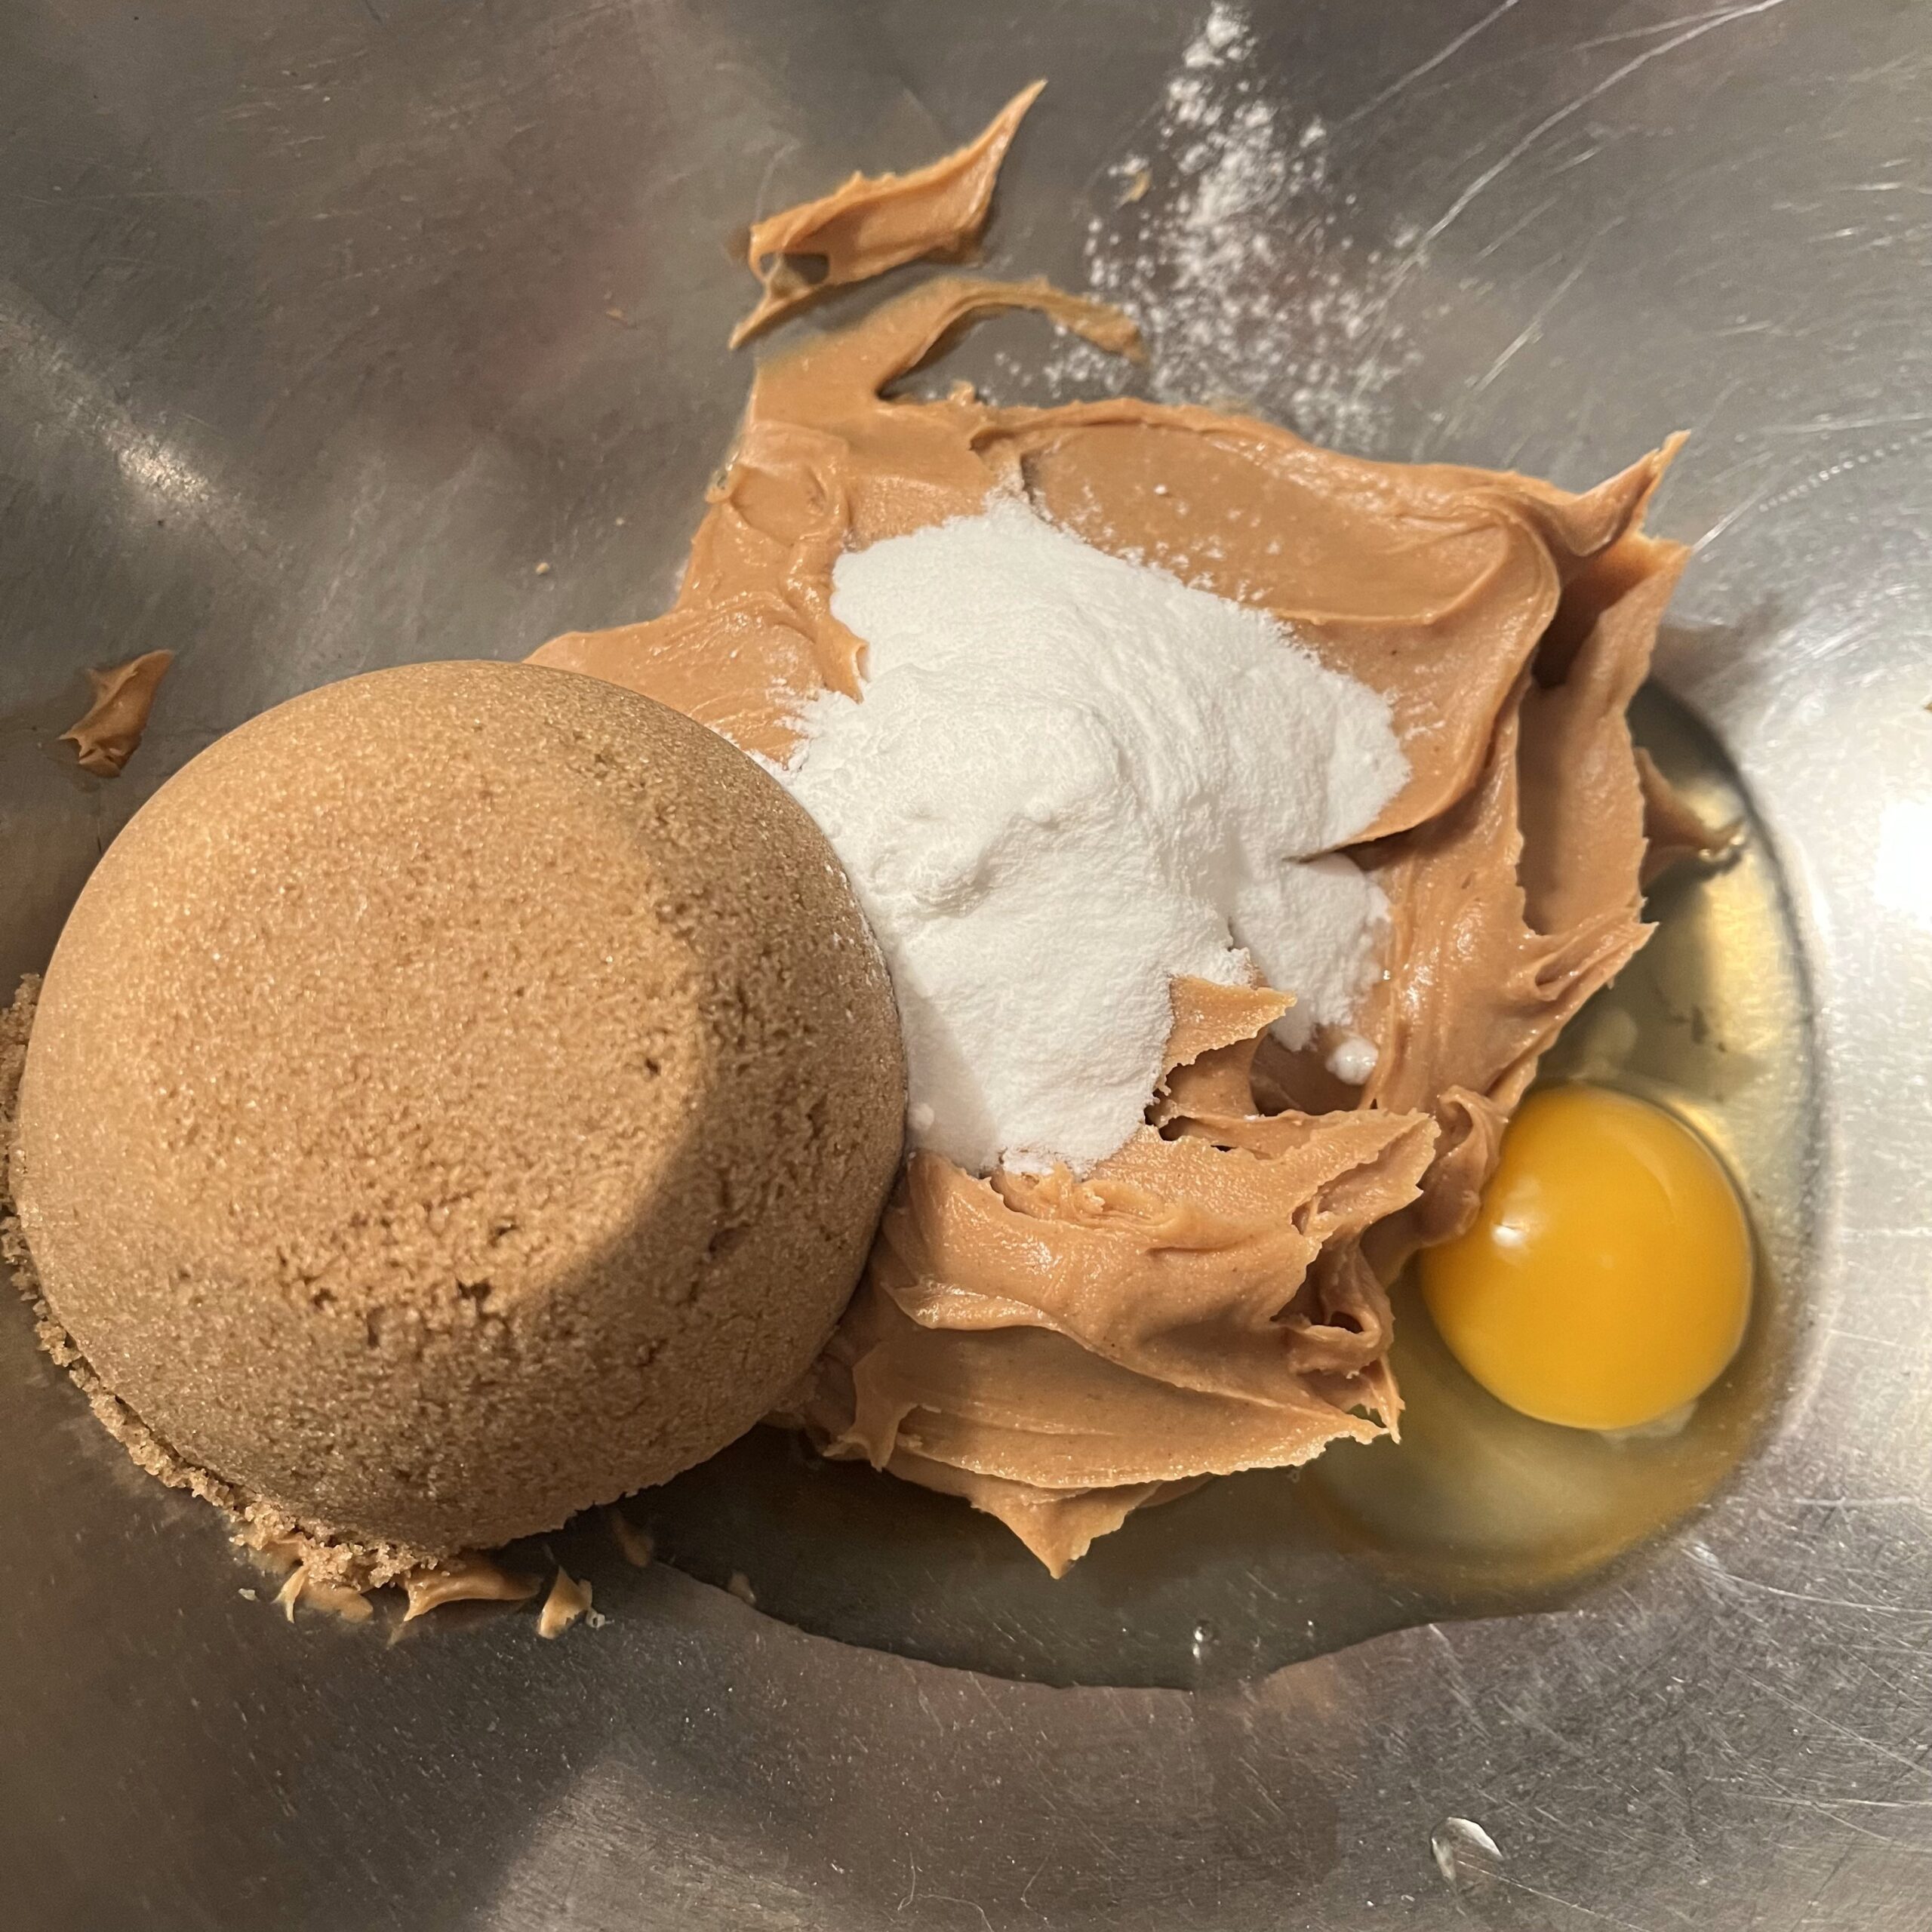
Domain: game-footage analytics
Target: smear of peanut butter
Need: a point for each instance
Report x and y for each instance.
(872, 223)
(110, 732)
(290, 1594)
(568, 1600)
(634, 1544)
(341, 1600)
(1675, 831)
(1062, 1351)
(470, 1578)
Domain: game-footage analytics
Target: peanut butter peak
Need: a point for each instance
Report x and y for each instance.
(872, 223)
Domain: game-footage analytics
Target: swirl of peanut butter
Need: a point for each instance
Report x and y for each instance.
(872, 222)
(1060, 1351)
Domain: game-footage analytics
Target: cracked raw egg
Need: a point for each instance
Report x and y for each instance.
(1607, 1279)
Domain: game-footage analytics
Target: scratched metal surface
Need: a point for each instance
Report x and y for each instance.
(321, 327)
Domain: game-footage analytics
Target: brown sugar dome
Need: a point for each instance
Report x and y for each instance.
(463, 1094)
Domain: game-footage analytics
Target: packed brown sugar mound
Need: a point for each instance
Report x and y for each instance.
(1060, 1349)
(463, 1095)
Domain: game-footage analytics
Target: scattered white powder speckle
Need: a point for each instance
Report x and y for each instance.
(1228, 244)
(1072, 778)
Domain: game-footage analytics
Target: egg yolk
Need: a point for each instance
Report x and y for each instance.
(1607, 1276)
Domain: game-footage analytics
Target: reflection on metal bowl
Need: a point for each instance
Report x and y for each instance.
(319, 331)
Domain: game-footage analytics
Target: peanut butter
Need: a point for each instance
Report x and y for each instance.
(1209, 1298)
(872, 222)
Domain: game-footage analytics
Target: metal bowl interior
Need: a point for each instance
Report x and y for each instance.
(320, 331)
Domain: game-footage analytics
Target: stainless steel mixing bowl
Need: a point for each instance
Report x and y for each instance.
(321, 328)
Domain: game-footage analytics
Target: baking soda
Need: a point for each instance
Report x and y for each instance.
(1071, 779)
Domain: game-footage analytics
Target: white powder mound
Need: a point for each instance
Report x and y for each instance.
(1071, 779)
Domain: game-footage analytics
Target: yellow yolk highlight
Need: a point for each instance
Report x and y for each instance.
(1608, 1278)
